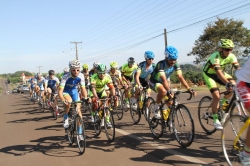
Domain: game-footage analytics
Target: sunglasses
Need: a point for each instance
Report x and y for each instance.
(75, 70)
(150, 58)
(101, 72)
(228, 49)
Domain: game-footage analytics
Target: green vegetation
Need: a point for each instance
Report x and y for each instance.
(15, 77)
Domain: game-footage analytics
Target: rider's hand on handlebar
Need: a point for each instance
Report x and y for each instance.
(170, 94)
(229, 86)
(140, 87)
(192, 91)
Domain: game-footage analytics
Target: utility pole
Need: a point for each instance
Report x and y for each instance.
(76, 49)
(165, 38)
(39, 68)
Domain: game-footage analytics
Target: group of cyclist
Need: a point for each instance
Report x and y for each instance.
(99, 82)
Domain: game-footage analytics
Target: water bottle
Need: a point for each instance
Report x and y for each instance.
(166, 113)
(129, 94)
(140, 104)
(165, 98)
(224, 106)
(100, 114)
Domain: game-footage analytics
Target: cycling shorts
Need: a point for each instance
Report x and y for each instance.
(100, 94)
(74, 95)
(212, 80)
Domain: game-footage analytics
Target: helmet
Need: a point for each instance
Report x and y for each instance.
(101, 68)
(131, 60)
(66, 69)
(85, 66)
(95, 64)
(74, 64)
(171, 53)
(225, 43)
(39, 74)
(51, 72)
(114, 65)
(149, 54)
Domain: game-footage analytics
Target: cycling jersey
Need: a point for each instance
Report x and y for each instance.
(116, 74)
(127, 71)
(70, 84)
(243, 74)
(31, 82)
(99, 84)
(162, 68)
(40, 83)
(215, 61)
(145, 72)
(50, 83)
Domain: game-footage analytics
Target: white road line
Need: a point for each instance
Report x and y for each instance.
(158, 146)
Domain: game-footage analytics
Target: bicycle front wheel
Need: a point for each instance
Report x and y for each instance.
(80, 132)
(183, 126)
(156, 125)
(119, 108)
(231, 128)
(109, 125)
(205, 115)
(147, 113)
(135, 111)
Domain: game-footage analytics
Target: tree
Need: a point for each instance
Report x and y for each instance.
(207, 43)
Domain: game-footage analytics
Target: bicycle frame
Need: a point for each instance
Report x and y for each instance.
(242, 129)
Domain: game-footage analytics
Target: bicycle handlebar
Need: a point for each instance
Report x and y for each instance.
(190, 94)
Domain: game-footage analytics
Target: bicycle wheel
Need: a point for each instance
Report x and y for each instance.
(125, 102)
(109, 125)
(231, 127)
(70, 130)
(81, 140)
(134, 111)
(183, 125)
(156, 125)
(97, 125)
(119, 108)
(205, 115)
(147, 113)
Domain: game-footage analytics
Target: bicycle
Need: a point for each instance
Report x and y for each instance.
(143, 103)
(33, 97)
(205, 113)
(179, 120)
(233, 138)
(72, 131)
(52, 106)
(131, 93)
(104, 115)
(120, 105)
(41, 103)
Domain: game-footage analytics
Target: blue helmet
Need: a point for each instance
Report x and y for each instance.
(149, 54)
(171, 53)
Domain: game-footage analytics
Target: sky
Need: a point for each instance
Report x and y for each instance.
(38, 34)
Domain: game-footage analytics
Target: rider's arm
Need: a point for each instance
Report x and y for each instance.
(165, 82)
(111, 86)
(137, 75)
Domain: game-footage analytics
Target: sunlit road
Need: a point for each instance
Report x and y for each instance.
(31, 137)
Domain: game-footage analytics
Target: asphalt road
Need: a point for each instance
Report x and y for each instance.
(31, 137)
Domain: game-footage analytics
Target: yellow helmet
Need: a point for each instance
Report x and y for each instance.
(114, 65)
(85, 66)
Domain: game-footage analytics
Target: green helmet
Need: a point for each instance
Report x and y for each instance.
(101, 68)
(114, 65)
(85, 66)
(226, 43)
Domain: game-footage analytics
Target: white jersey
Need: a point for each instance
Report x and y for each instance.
(243, 73)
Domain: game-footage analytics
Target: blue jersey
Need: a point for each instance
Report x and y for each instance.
(163, 68)
(145, 72)
(40, 82)
(70, 84)
(51, 82)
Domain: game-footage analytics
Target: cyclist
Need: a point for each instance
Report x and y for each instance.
(115, 74)
(128, 70)
(243, 90)
(68, 90)
(93, 70)
(31, 86)
(51, 86)
(143, 73)
(98, 83)
(65, 71)
(213, 74)
(160, 77)
(39, 86)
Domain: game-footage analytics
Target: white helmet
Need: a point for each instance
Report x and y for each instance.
(74, 64)
(66, 70)
(95, 64)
